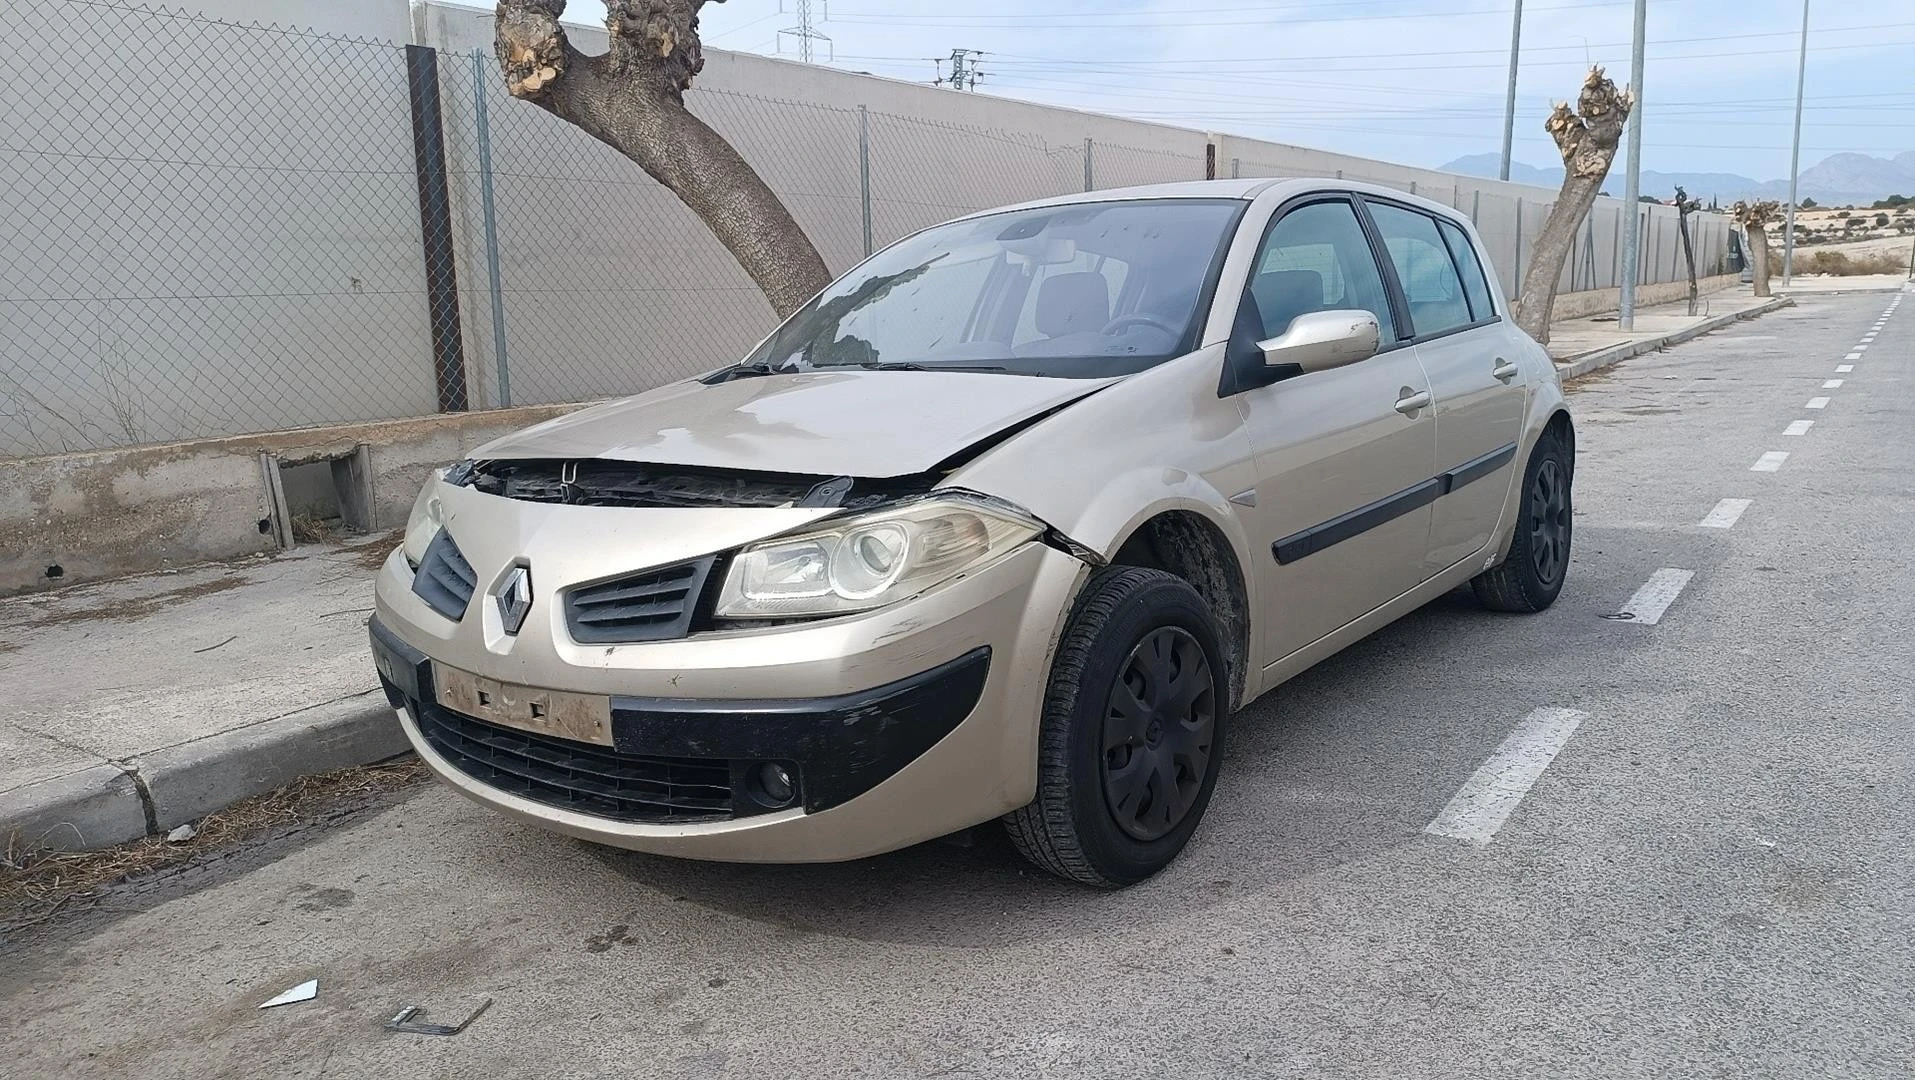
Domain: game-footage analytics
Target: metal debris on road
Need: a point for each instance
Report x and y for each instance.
(305, 991)
(403, 1021)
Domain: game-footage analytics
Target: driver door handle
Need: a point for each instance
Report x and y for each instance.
(1505, 370)
(1418, 400)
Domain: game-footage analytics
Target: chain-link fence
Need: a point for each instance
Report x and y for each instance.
(215, 229)
(206, 229)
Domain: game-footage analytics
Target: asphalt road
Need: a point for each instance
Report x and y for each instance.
(1711, 877)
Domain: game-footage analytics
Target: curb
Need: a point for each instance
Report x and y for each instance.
(1616, 354)
(115, 802)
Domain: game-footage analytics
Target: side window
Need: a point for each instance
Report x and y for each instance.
(1317, 259)
(1424, 269)
(1475, 282)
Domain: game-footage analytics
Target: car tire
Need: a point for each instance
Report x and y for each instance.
(1531, 577)
(1110, 816)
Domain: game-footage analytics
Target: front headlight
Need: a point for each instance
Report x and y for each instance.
(425, 521)
(870, 561)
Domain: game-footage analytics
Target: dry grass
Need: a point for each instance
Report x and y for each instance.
(36, 886)
(1843, 265)
(310, 528)
(1840, 263)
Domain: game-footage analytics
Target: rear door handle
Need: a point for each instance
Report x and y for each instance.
(1505, 370)
(1418, 400)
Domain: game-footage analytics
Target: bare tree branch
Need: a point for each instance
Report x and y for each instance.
(1587, 136)
(1684, 207)
(632, 98)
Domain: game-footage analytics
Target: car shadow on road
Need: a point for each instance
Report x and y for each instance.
(1312, 781)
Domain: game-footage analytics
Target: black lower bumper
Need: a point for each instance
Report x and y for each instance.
(682, 759)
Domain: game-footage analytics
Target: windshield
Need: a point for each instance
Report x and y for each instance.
(1091, 290)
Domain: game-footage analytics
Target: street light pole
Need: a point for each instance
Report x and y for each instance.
(1632, 187)
(1795, 150)
(1509, 103)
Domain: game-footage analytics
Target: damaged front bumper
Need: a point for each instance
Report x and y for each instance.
(894, 726)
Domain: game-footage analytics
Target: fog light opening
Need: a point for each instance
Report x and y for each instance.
(772, 785)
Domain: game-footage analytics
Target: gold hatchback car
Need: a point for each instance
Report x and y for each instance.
(1004, 524)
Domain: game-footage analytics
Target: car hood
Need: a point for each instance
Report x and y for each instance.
(830, 423)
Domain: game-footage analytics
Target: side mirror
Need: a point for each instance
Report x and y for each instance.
(1321, 340)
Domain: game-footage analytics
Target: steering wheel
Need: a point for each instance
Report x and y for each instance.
(1141, 318)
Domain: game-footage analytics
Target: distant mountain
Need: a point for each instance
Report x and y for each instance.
(1838, 178)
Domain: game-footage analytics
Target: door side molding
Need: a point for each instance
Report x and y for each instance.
(1364, 518)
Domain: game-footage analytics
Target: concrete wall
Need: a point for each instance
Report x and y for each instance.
(1581, 305)
(113, 512)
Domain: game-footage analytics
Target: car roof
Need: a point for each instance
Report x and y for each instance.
(1246, 189)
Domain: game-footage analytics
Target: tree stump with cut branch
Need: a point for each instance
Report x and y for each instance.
(1755, 219)
(1587, 136)
(632, 98)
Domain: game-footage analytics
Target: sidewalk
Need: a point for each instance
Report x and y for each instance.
(1580, 346)
(140, 704)
(144, 703)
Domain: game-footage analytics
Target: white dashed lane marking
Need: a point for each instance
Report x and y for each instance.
(1818, 403)
(1832, 384)
(1799, 427)
(1493, 792)
(1844, 369)
(1655, 596)
(1726, 514)
(1853, 356)
(1770, 462)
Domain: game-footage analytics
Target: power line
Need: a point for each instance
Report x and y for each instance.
(1180, 17)
(1017, 58)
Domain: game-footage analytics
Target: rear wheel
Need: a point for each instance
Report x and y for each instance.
(1132, 732)
(1532, 575)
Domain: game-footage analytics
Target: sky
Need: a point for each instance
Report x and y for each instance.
(1414, 81)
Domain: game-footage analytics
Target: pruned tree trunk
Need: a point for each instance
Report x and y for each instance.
(632, 99)
(1587, 137)
(1755, 218)
(1759, 257)
(1684, 207)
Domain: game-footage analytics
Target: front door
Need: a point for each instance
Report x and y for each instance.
(1344, 457)
(1465, 347)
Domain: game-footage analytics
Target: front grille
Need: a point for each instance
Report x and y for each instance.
(653, 605)
(444, 579)
(578, 776)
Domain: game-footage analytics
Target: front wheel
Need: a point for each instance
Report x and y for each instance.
(1132, 731)
(1531, 577)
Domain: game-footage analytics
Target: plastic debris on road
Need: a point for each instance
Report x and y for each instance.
(305, 991)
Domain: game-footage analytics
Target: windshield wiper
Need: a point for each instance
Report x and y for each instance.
(746, 370)
(905, 365)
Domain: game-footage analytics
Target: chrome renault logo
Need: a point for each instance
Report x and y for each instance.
(514, 597)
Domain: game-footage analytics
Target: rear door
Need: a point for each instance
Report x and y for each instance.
(1463, 344)
(1344, 457)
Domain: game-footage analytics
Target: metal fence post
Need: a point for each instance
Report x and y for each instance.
(1519, 243)
(1089, 176)
(1615, 254)
(864, 171)
(484, 144)
(435, 223)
